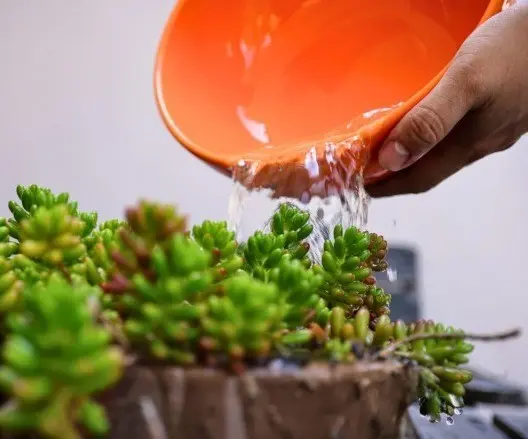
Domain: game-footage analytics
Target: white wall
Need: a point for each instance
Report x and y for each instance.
(77, 113)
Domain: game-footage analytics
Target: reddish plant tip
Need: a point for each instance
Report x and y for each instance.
(143, 257)
(123, 263)
(318, 332)
(220, 289)
(221, 273)
(150, 274)
(238, 368)
(131, 212)
(371, 280)
(170, 228)
(207, 344)
(132, 217)
(128, 240)
(217, 254)
(159, 213)
(117, 285)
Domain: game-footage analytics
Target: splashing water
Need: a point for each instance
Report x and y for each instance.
(328, 184)
(449, 420)
(237, 202)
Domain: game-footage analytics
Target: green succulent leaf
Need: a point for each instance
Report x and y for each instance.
(55, 358)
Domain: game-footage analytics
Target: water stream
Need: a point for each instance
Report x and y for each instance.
(328, 184)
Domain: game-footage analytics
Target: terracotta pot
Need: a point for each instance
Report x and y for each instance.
(270, 80)
(363, 401)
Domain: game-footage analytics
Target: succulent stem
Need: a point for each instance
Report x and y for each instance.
(498, 336)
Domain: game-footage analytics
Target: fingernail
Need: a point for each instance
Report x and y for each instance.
(393, 156)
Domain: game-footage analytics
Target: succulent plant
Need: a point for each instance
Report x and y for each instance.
(289, 227)
(183, 297)
(102, 243)
(52, 236)
(10, 286)
(245, 321)
(47, 233)
(161, 314)
(149, 226)
(298, 289)
(34, 197)
(442, 379)
(216, 238)
(55, 358)
(155, 222)
(7, 246)
(347, 268)
(295, 225)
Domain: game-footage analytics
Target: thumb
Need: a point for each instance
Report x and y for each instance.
(430, 121)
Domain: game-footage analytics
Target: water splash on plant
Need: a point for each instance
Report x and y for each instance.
(328, 184)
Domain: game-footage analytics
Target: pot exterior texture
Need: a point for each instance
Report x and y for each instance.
(361, 401)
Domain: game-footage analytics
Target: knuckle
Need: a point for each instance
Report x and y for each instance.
(426, 127)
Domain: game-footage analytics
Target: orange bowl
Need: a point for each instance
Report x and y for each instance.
(271, 80)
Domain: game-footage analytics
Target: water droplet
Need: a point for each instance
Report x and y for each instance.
(458, 412)
(450, 420)
(392, 274)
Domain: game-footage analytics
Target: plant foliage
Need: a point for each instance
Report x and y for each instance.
(76, 297)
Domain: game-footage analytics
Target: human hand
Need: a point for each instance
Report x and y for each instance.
(479, 107)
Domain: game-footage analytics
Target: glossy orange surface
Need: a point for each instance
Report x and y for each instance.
(262, 78)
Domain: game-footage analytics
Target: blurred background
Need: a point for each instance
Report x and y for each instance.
(77, 114)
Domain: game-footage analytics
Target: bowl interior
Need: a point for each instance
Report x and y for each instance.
(239, 76)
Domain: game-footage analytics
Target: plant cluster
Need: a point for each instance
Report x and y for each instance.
(76, 298)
